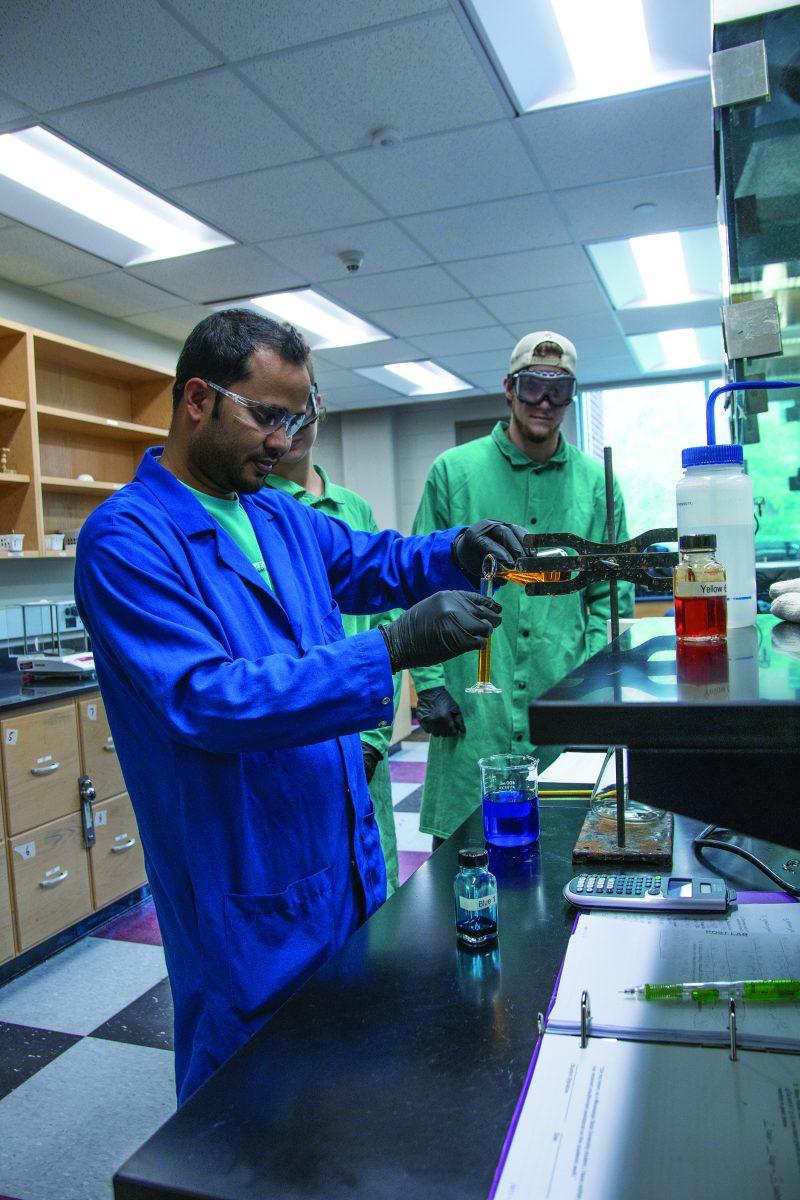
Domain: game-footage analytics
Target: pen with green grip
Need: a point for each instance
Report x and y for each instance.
(763, 991)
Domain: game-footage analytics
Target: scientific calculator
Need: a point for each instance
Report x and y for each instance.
(648, 893)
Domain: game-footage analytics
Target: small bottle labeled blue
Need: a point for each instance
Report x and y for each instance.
(475, 891)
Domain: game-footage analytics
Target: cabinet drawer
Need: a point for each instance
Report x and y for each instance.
(50, 879)
(6, 924)
(116, 858)
(40, 766)
(100, 760)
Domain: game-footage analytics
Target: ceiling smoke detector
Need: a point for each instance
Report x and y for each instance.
(352, 259)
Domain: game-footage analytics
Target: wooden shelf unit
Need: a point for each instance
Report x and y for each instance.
(67, 409)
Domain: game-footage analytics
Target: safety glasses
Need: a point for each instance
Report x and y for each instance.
(534, 387)
(271, 417)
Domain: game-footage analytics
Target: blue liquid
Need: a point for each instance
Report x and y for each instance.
(511, 818)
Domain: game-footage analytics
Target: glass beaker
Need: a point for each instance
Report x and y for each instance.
(484, 686)
(510, 791)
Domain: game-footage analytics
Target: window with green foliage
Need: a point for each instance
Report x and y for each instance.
(647, 426)
(771, 463)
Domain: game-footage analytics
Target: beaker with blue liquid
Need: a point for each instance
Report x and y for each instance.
(510, 791)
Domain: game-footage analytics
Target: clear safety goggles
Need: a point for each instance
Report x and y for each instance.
(271, 417)
(534, 387)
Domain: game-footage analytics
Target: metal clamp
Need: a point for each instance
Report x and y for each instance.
(586, 1014)
(52, 877)
(128, 845)
(48, 770)
(596, 561)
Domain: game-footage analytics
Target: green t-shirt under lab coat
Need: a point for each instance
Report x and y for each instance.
(233, 518)
(541, 637)
(354, 510)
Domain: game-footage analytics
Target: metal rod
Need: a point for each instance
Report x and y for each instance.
(611, 536)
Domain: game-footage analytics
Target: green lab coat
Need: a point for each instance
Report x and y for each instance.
(541, 637)
(351, 508)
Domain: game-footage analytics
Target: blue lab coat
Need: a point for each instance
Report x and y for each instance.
(236, 714)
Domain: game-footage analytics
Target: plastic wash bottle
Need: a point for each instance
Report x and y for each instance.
(716, 496)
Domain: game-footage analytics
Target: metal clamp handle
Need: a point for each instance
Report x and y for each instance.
(50, 880)
(120, 849)
(48, 770)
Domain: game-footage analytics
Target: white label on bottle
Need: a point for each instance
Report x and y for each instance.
(11, 737)
(26, 850)
(91, 712)
(101, 817)
(480, 903)
(684, 588)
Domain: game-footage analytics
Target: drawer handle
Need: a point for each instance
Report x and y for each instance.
(53, 877)
(48, 770)
(127, 845)
(109, 746)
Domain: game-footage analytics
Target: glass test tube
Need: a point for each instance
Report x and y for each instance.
(483, 686)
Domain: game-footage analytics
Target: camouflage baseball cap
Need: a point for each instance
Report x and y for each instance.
(526, 353)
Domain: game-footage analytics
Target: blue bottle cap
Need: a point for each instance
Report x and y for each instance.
(704, 456)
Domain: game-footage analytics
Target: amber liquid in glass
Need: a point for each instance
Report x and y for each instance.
(701, 619)
(485, 662)
(523, 577)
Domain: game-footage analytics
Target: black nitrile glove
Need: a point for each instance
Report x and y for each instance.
(499, 538)
(439, 628)
(439, 714)
(371, 759)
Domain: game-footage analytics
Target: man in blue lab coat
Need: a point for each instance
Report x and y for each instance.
(234, 698)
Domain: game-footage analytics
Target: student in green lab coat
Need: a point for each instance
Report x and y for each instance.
(525, 472)
(296, 474)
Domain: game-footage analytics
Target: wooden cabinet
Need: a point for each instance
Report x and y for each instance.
(66, 410)
(116, 858)
(99, 757)
(40, 766)
(6, 922)
(50, 877)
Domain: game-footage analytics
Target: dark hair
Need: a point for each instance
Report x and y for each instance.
(219, 348)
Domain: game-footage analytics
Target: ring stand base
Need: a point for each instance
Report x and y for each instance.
(483, 689)
(646, 841)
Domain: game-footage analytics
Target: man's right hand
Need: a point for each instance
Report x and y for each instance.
(440, 628)
(439, 714)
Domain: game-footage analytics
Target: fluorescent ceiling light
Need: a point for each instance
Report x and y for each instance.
(607, 45)
(49, 184)
(555, 52)
(678, 349)
(660, 268)
(323, 323)
(416, 378)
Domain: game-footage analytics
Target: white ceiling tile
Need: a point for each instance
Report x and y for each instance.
(447, 169)
(431, 318)
(185, 131)
(420, 77)
(586, 342)
(395, 289)
(500, 226)
(52, 55)
(32, 258)
(605, 210)
(12, 113)
(230, 272)
(359, 397)
(175, 323)
(698, 315)
(488, 381)
(115, 294)
(465, 341)
(466, 365)
(501, 273)
(299, 198)
(545, 305)
(245, 28)
(621, 137)
(372, 354)
(610, 370)
(315, 255)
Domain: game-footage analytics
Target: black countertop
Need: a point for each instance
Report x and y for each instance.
(393, 1074)
(15, 693)
(644, 691)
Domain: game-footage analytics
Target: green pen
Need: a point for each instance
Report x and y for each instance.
(764, 991)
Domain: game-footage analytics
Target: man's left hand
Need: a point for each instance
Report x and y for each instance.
(499, 538)
(371, 759)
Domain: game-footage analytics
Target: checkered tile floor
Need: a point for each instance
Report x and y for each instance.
(86, 1071)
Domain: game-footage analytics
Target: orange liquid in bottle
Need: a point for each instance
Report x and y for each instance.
(698, 618)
